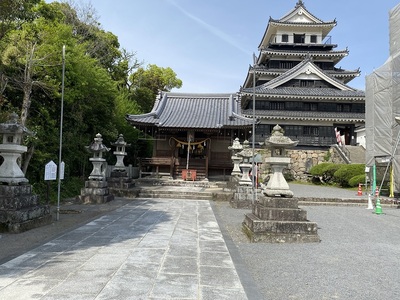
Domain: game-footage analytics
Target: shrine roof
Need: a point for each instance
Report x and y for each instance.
(206, 111)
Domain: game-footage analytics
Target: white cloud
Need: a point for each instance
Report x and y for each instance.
(212, 29)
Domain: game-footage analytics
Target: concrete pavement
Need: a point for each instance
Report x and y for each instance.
(147, 249)
(180, 249)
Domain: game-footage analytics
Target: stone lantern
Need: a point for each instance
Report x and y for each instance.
(276, 218)
(246, 166)
(278, 143)
(236, 148)
(120, 153)
(11, 150)
(97, 148)
(20, 209)
(96, 188)
(119, 178)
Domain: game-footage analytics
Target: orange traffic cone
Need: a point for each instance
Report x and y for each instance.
(377, 192)
(359, 192)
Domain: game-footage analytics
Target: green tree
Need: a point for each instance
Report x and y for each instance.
(99, 87)
(31, 59)
(13, 13)
(147, 83)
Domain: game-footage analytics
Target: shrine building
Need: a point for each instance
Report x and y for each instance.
(294, 82)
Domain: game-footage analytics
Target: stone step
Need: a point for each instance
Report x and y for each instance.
(176, 195)
(277, 226)
(350, 201)
(363, 203)
(168, 194)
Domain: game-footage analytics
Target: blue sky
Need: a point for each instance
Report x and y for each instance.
(209, 43)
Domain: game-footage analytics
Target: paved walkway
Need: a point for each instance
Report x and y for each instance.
(175, 249)
(147, 249)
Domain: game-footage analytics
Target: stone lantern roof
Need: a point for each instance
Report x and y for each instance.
(13, 128)
(97, 145)
(278, 140)
(236, 146)
(120, 142)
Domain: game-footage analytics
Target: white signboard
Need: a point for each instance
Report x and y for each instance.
(50, 172)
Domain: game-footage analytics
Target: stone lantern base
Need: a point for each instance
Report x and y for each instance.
(20, 209)
(119, 179)
(95, 192)
(279, 220)
(243, 197)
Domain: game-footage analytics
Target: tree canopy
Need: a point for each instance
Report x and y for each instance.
(147, 82)
(103, 81)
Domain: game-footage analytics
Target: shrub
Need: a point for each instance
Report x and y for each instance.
(323, 173)
(288, 176)
(354, 181)
(343, 175)
(70, 188)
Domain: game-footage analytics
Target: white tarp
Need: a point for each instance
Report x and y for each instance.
(382, 103)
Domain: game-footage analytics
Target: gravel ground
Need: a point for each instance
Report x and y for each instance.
(358, 256)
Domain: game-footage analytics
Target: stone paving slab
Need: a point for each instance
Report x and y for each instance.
(147, 249)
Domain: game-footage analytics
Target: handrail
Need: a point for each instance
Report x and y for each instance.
(343, 152)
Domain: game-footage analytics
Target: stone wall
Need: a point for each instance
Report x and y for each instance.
(301, 162)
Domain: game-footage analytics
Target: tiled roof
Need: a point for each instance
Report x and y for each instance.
(303, 24)
(306, 92)
(300, 4)
(207, 111)
(297, 52)
(261, 69)
(306, 115)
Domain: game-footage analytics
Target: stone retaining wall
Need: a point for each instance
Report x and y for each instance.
(301, 162)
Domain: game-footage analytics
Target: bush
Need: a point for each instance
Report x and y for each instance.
(354, 181)
(70, 188)
(323, 173)
(346, 172)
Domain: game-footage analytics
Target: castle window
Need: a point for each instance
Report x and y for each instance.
(310, 131)
(313, 38)
(306, 83)
(299, 38)
(293, 130)
(275, 105)
(310, 106)
(343, 107)
(285, 38)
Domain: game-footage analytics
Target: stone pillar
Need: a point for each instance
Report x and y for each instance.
(20, 210)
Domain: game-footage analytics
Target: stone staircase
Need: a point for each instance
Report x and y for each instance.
(357, 154)
(349, 154)
(176, 189)
(174, 194)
